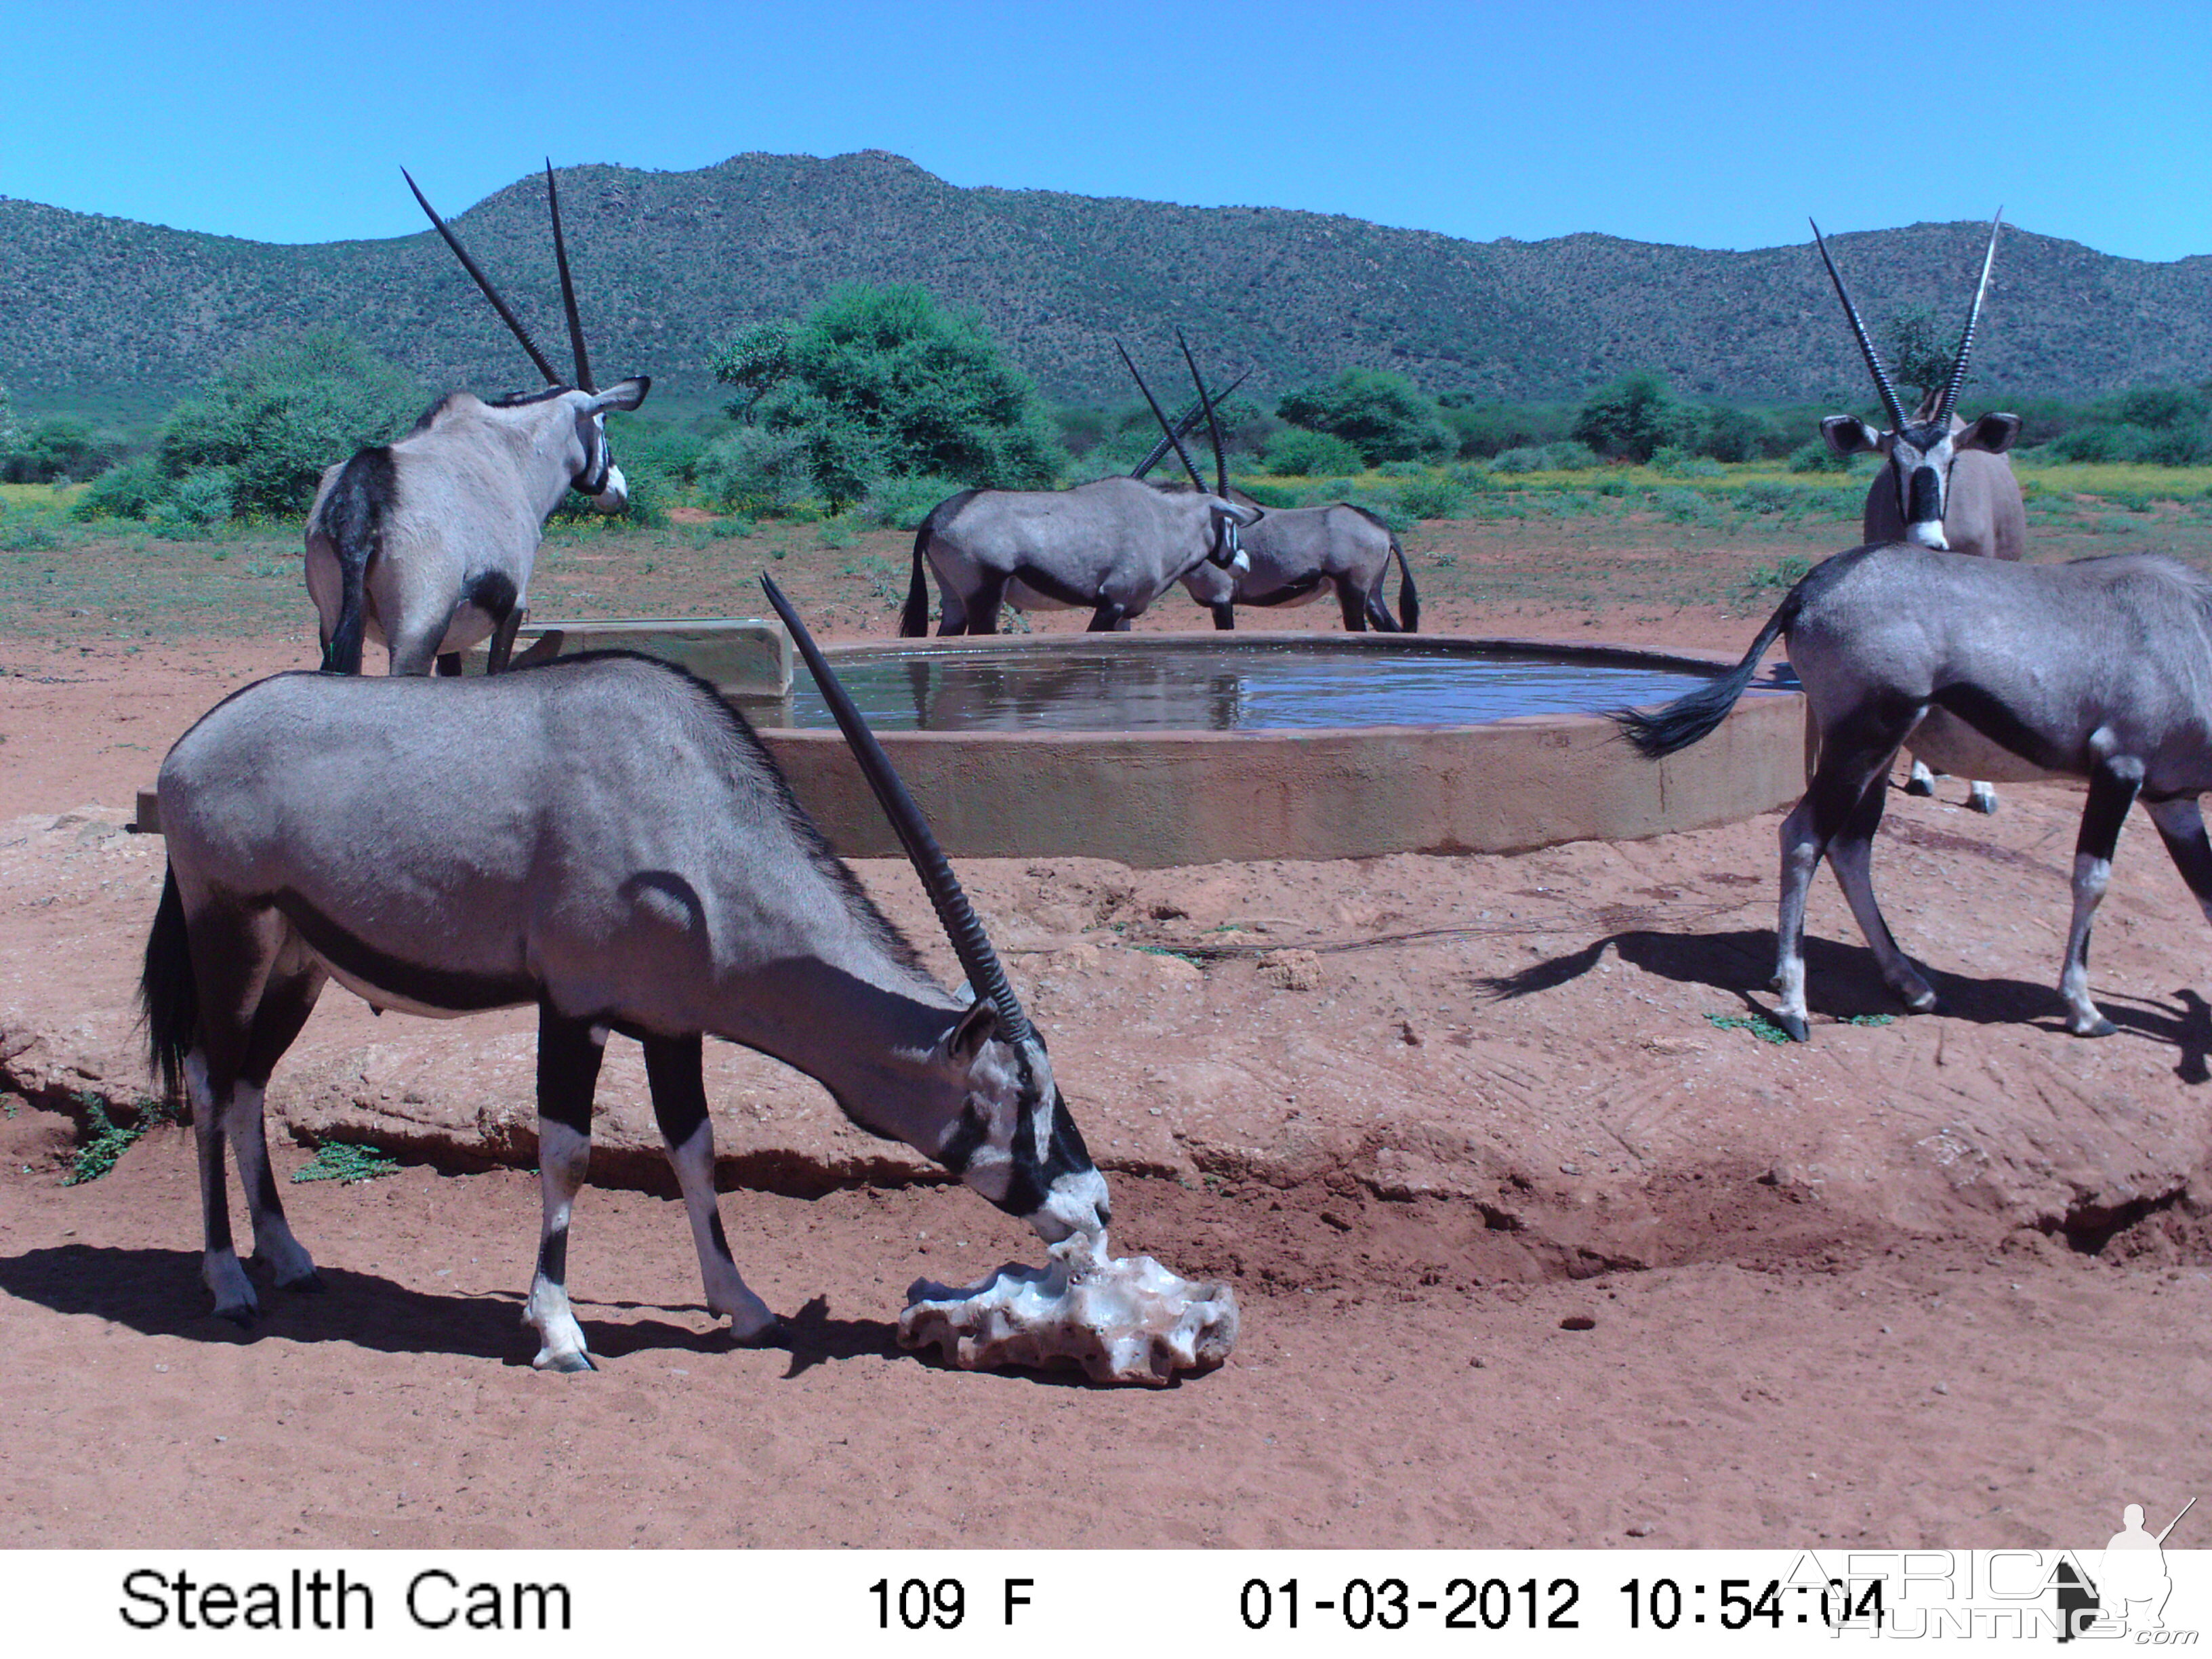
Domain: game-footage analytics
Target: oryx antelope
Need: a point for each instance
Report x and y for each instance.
(1111, 546)
(602, 836)
(427, 543)
(1943, 484)
(1295, 552)
(2099, 670)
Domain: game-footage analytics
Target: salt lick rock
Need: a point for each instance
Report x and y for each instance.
(1121, 1319)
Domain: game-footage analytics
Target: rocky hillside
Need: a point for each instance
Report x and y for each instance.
(669, 263)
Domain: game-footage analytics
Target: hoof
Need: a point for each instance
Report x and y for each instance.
(1919, 787)
(310, 1283)
(1923, 1002)
(1985, 805)
(1794, 1025)
(241, 1317)
(773, 1335)
(2100, 1028)
(564, 1363)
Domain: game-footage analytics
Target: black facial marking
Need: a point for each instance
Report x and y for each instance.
(446, 988)
(960, 1146)
(1925, 502)
(591, 479)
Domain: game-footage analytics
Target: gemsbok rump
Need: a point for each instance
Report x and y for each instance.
(427, 543)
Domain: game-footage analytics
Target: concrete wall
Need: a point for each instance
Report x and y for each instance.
(1156, 800)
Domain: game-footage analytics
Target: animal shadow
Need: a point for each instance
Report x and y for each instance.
(158, 1292)
(1843, 981)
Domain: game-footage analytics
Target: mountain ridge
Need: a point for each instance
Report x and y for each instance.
(668, 263)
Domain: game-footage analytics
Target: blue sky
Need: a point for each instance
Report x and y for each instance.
(1719, 125)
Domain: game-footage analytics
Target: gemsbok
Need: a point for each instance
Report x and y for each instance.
(601, 837)
(427, 543)
(2099, 670)
(1111, 546)
(1943, 484)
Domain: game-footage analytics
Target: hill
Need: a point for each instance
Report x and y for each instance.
(105, 310)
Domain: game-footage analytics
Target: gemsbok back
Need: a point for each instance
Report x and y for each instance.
(427, 543)
(1943, 484)
(2099, 670)
(1111, 546)
(603, 837)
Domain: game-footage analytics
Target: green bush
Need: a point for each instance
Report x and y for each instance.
(1433, 496)
(1817, 456)
(62, 449)
(1631, 417)
(904, 503)
(129, 491)
(1383, 415)
(884, 383)
(755, 471)
(276, 417)
(1295, 452)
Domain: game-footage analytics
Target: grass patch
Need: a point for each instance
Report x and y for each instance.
(1758, 1025)
(110, 1140)
(340, 1160)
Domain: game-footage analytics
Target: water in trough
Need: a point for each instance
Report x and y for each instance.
(1215, 685)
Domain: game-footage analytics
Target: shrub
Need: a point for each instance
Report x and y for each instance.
(1295, 452)
(276, 417)
(1631, 417)
(1383, 415)
(1434, 496)
(1566, 456)
(1817, 456)
(904, 503)
(755, 471)
(883, 382)
(1767, 495)
(58, 450)
(127, 491)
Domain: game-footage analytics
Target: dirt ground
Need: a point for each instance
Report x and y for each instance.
(1531, 1250)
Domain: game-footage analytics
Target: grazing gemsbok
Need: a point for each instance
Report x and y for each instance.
(1111, 546)
(1294, 552)
(1943, 484)
(2101, 670)
(427, 543)
(602, 837)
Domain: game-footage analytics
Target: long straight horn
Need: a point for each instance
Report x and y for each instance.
(1183, 422)
(1866, 346)
(1212, 426)
(568, 288)
(482, 282)
(985, 976)
(1182, 454)
(1966, 340)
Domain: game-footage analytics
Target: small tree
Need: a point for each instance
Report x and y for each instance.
(755, 362)
(268, 423)
(1631, 417)
(1917, 357)
(1383, 415)
(886, 383)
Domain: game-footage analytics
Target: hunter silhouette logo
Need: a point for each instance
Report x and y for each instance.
(2131, 1584)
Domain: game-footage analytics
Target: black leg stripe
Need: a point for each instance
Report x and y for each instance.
(568, 1069)
(553, 1255)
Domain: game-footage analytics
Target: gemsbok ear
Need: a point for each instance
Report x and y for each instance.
(629, 394)
(1847, 435)
(976, 1027)
(1994, 434)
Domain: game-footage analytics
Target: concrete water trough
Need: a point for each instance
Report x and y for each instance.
(1168, 749)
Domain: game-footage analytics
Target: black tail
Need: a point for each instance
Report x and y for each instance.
(1688, 719)
(352, 520)
(168, 996)
(1409, 602)
(913, 621)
